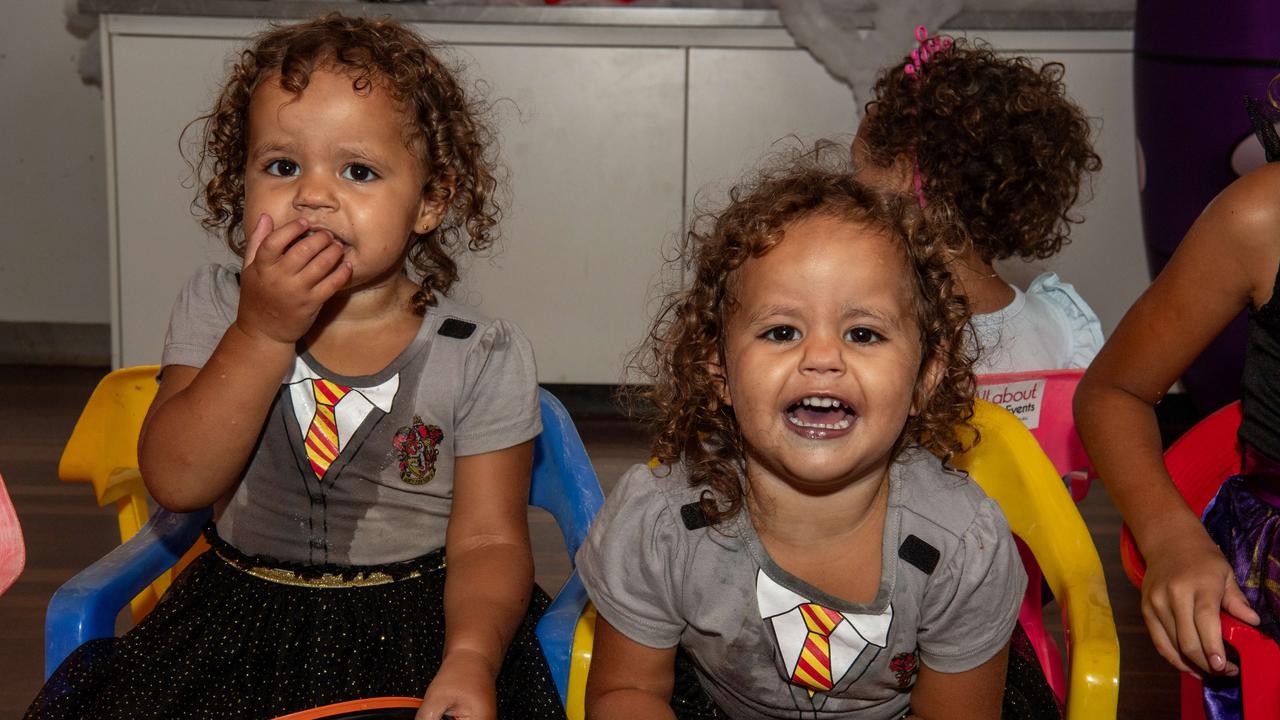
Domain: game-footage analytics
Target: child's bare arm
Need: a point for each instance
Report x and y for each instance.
(489, 579)
(204, 422)
(627, 679)
(973, 694)
(1227, 260)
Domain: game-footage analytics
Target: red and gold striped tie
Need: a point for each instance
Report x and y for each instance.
(322, 436)
(813, 669)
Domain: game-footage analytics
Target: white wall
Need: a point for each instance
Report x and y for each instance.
(53, 213)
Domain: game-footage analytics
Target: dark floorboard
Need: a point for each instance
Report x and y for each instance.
(65, 531)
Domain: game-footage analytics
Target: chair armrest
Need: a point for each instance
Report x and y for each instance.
(86, 606)
(556, 628)
(1094, 649)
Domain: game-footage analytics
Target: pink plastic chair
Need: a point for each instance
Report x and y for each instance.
(1041, 399)
(1198, 463)
(13, 552)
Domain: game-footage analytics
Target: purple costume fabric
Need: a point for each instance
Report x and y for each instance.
(1244, 519)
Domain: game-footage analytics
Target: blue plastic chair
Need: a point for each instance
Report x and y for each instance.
(564, 484)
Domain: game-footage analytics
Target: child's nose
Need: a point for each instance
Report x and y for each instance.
(823, 353)
(313, 191)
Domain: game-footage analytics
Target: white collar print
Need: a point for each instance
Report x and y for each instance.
(380, 396)
(852, 635)
(351, 410)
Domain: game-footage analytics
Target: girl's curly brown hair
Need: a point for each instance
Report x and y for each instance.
(689, 423)
(997, 141)
(447, 132)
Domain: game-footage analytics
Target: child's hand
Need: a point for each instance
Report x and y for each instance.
(287, 278)
(1186, 585)
(463, 689)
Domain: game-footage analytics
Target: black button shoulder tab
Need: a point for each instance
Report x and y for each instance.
(455, 328)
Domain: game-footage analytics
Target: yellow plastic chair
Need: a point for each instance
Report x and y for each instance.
(1010, 466)
(103, 451)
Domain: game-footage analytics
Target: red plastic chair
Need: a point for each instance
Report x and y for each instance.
(1041, 399)
(13, 552)
(1198, 463)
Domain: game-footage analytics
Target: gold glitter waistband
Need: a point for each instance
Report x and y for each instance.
(327, 580)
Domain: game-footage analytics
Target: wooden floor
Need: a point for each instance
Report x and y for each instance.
(65, 531)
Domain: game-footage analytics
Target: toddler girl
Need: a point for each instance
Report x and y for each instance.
(354, 429)
(995, 153)
(798, 538)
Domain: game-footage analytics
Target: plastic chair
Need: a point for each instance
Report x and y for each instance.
(1010, 466)
(1041, 399)
(1044, 399)
(13, 552)
(103, 451)
(563, 484)
(1199, 462)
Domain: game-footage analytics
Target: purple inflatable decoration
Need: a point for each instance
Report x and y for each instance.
(1194, 62)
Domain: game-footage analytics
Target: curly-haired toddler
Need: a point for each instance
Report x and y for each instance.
(798, 549)
(996, 154)
(354, 429)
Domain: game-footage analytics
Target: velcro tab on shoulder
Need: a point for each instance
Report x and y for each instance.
(455, 328)
(919, 553)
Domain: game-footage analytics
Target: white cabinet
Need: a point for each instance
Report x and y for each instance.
(608, 132)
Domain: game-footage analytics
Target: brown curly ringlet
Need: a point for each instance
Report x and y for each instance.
(681, 403)
(998, 142)
(446, 130)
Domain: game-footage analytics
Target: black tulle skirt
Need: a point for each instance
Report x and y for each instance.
(225, 643)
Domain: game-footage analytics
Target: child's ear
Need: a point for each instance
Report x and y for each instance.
(930, 375)
(434, 205)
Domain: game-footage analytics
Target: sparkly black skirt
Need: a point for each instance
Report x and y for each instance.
(234, 638)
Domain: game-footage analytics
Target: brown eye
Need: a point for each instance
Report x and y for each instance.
(780, 334)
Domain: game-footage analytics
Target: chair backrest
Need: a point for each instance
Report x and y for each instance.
(103, 448)
(1042, 401)
(13, 552)
(1011, 467)
(564, 483)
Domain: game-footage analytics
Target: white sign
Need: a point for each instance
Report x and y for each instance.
(1023, 399)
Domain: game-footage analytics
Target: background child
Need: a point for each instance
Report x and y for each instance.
(353, 428)
(799, 542)
(1229, 260)
(996, 152)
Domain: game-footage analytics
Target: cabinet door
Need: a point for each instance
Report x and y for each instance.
(745, 104)
(158, 85)
(593, 138)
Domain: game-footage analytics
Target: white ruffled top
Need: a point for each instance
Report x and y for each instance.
(1045, 328)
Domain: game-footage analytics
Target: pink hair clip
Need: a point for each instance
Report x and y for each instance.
(929, 47)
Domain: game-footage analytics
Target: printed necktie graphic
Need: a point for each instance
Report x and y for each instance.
(813, 668)
(322, 437)
(820, 650)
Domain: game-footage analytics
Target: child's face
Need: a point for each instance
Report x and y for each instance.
(340, 160)
(822, 352)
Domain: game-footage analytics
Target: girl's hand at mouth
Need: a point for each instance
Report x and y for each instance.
(288, 276)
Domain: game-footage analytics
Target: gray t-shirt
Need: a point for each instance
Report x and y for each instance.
(950, 588)
(465, 385)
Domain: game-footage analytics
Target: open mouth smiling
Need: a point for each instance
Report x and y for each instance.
(820, 417)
